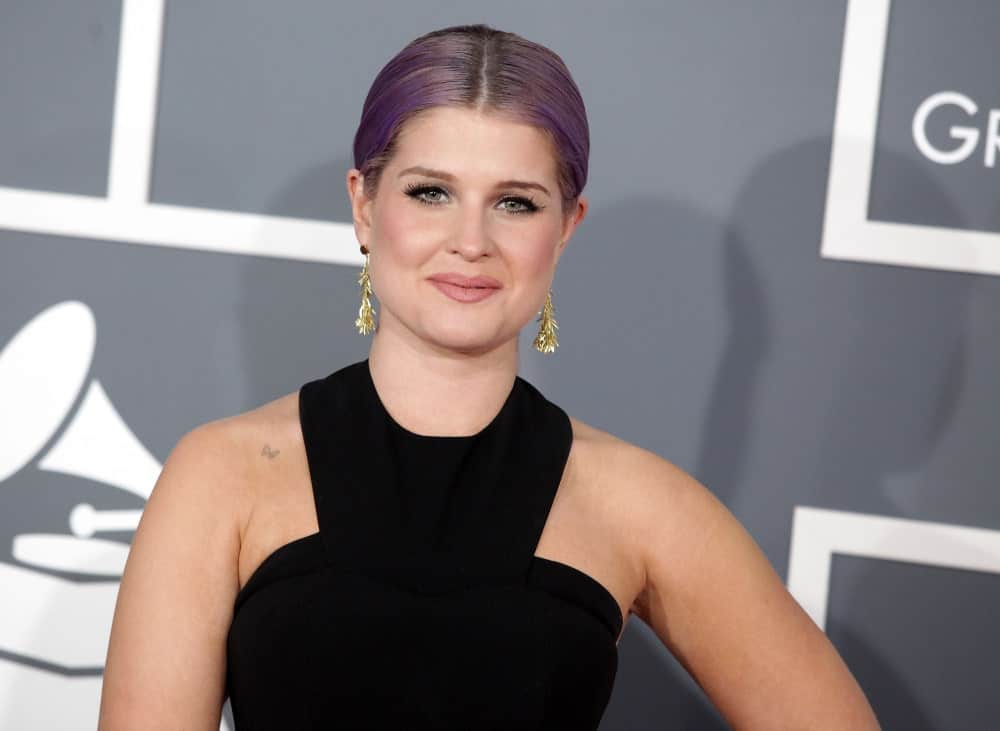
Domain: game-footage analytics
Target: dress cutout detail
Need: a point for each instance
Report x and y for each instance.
(419, 603)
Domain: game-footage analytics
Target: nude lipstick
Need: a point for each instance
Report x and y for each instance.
(465, 289)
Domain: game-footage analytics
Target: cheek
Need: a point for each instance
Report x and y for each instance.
(403, 232)
(403, 241)
(536, 249)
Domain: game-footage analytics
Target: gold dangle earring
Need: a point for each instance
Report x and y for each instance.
(546, 341)
(366, 320)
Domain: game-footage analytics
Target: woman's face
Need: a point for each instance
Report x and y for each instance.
(471, 194)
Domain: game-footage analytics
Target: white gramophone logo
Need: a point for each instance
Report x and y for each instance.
(53, 630)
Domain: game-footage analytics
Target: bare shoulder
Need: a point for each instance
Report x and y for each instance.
(644, 484)
(166, 653)
(667, 517)
(637, 493)
(209, 481)
(600, 446)
(712, 597)
(252, 441)
(247, 433)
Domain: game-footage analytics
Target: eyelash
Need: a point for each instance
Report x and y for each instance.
(415, 190)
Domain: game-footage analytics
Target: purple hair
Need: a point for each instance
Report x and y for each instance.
(476, 67)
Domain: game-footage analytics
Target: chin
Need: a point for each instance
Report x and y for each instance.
(465, 345)
(461, 339)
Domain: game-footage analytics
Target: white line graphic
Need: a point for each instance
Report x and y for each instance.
(127, 216)
(133, 127)
(817, 534)
(847, 232)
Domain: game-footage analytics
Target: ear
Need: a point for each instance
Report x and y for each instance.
(361, 206)
(571, 220)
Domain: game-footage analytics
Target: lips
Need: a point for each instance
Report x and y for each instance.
(459, 280)
(465, 289)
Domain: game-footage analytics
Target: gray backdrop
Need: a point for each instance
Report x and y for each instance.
(697, 316)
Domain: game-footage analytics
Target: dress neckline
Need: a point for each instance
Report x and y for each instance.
(442, 438)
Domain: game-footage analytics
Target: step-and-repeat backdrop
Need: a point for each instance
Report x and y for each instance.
(786, 285)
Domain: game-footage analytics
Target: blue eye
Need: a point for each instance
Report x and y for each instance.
(418, 190)
(526, 205)
(433, 195)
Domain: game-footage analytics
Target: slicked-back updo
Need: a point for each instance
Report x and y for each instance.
(481, 68)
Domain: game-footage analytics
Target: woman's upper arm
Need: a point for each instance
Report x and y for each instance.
(715, 601)
(166, 656)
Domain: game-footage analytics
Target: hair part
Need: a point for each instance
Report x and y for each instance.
(480, 68)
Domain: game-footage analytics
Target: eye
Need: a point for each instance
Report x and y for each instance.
(428, 194)
(521, 205)
(434, 195)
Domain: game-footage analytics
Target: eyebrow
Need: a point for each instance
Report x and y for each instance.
(420, 170)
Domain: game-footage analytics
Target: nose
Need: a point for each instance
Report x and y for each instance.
(472, 237)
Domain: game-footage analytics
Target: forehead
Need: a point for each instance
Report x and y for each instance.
(470, 142)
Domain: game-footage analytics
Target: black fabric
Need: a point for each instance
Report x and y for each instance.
(419, 603)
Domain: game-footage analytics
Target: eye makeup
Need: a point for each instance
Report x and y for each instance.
(420, 191)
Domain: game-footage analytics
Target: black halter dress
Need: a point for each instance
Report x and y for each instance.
(419, 603)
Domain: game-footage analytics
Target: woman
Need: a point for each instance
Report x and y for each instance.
(421, 539)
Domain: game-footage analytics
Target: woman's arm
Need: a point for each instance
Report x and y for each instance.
(714, 600)
(166, 657)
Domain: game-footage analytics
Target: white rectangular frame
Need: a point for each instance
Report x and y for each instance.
(817, 534)
(847, 232)
(127, 216)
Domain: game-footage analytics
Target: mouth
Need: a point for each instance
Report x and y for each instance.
(463, 292)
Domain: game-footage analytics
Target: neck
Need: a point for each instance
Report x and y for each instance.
(440, 392)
